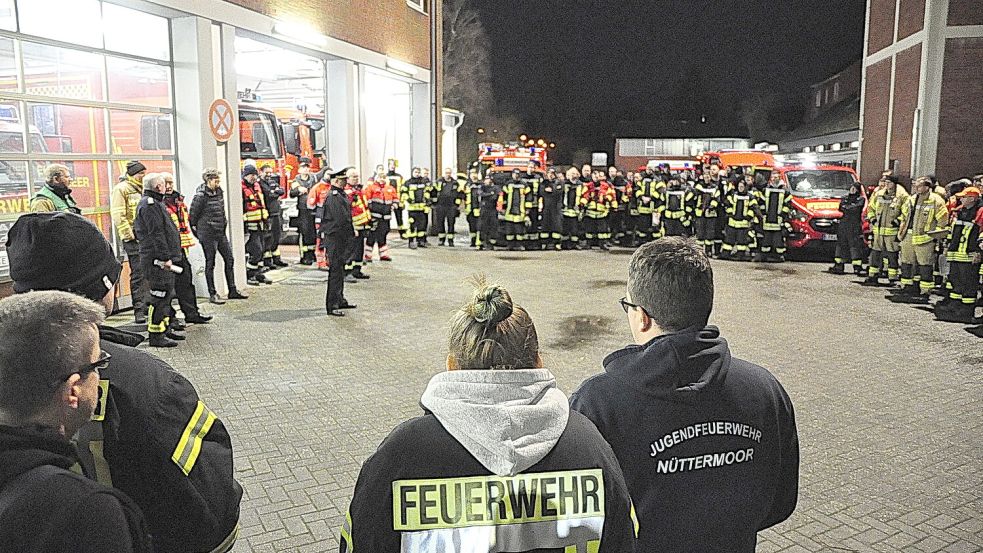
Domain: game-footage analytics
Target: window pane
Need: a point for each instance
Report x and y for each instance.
(51, 71)
(7, 19)
(69, 129)
(136, 133)
(12, 128)
(134, 82)
(8, 65)
(74, 21)
(134, 32)
(14, 201)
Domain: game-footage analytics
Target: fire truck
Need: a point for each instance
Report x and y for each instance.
(499, 160)
(816, 194)
(304, 137)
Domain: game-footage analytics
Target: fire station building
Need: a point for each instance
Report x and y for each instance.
(921, 105)
(95, 83)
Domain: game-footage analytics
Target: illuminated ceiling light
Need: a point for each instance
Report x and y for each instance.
(531, 142)
(552, 144)
(401, 66)
(541, 142)
(481, 131)
(300, 33)
(523, 137)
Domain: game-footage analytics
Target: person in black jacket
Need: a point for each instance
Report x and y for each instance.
(551, 221)
(488, 223)
(269, 182)
(160, 251)
(208, 222)
(449, 194)
(337, 234)
(849, 234)
(140, 440)
(304, 222)
(708, 442)
(497, 459)
(50, 362)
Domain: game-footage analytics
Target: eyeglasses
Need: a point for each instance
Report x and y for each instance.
(626, 305)
(100, 364)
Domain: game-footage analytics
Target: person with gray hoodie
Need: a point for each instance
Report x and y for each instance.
(498, 462)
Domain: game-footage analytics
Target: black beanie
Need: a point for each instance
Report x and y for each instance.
(134, 167)
(249, 170)
(61, 251)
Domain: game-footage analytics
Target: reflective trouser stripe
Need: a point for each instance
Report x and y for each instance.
(155, 328)
(347, 545)
(228, 542)
(189, 447)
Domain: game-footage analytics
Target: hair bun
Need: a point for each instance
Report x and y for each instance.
(492, 305)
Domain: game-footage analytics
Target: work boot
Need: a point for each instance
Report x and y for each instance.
(139, 315)
(277, 262)
(161, 341)
(759, 257)
(360, 275)
(198, 319)
(836, 269)
(350, 279)
(450, 243)
(474, 243)
(178, 325)
(237, 295)
(956, 313)
(214, 298)
(174, 335)
(442, 242)
(252, 281)
(413, 244)
(871, 281)
(423, 244)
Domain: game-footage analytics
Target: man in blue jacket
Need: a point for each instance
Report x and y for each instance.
(707, 442)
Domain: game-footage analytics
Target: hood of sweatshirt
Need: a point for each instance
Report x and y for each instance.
(508, 420)
(681, 365)
(23, 448)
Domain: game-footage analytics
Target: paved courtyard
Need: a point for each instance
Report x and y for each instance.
(888, 401)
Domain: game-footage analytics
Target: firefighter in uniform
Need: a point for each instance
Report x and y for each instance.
(256, 220)
(741, 208)
(160, 250)
(184, 286)
(676, 208)
(597, 201)
(362, 220)
(488, 227)
(269, 183)
(514, 204)
(416, 198)
(533, 181)
(849, 233)
(337, 233)
(124, 200)
(382, 200)
(963, 255)
(924, 220)
(315, 199)
(449, 195)
(705, 213)
(150, 436)
(619, 215)
(884, 215)
(396, 180)
(573, 191)
(776, 209)
(718, 180)
(472, 207)
(304, 222)
(647, 197)
(551, 216)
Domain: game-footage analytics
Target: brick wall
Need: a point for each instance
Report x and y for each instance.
(911, 17)
(881, 18)
(389, 27)
(874, 137)
(907, 73)
(965, 12)
(960, 132)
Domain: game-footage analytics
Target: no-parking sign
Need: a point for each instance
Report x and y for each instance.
(221, 120)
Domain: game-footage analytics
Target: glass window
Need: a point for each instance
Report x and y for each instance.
(8, 65)
(819, 98)
(69, 129)
(291, 138)
(134, 82)
(134, 32)
(155, 132)
(76, 21)
(136, 132)
(53, 71)
(14, 192)
(8, 21)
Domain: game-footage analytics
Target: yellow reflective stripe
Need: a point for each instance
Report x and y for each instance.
(346, 533)
(189, 446)
(228, 542)
(634, 519)
(155, 328)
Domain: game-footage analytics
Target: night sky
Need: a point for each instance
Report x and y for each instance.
(571, 69)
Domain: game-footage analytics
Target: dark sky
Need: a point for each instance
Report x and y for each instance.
(571, 69)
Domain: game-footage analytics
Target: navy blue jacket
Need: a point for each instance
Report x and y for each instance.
(707, 442)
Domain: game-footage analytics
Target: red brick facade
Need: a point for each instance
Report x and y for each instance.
(965, 12)
(389, 27)
(960, 133)
(907, 72)
(874, 137)
(911, 18)
(881, 21)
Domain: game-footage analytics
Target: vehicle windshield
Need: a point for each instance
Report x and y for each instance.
(258, 135)
(13, 142)
(819, 183)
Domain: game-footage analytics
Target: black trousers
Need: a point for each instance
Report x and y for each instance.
(474, 223)
(571, 231)
(356, 252)
(271, 240)
(184, 288)
(551, 226)
(773, 241)
(706, 232)
(488, 229)
(213, 243)
(965, 279)
(254, 251)
(138, 287)
(617, 222)
(849, 247)
(308, 237)
(674, 227)
(535, 223)
(379, 234)
(446, 216)
(161, 291)
(418, 226)
(644, 230)
(336, 248)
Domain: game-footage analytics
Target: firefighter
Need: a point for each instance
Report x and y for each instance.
(55, 195)
(382, 201)
(449, 195)
(676, 208)
(362, 220)
(719, 181)
(963, 255)
(160, 252)
(849, 233)
(124, 200)
(304, 222)
(741, 207)
(415, 196)
(269, 182)
(551, 216)
(573, 191)
(315, 199)
(924, 221)
(884, 213)
(533, 180)
(775, 203)
(619, 215)
(184, 286)
(256, 220)
(337, 232)
(705, 212)
(472, 206)
(514, 204)
(488, 225)
(647, 197)
(396, 180)
(598, 200)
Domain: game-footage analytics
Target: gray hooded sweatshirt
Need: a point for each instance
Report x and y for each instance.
(508, 420)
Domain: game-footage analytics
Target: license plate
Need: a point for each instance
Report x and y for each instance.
(829, 237)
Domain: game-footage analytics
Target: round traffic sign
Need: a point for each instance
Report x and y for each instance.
(221, 120)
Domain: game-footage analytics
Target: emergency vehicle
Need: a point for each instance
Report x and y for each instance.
(261, 139)
(304, 137)
(499, 160)
(728, 159)
(816, 194)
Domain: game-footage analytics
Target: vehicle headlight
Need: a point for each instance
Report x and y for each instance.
(800, 216)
